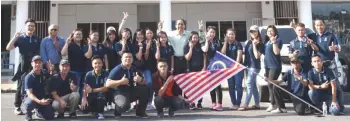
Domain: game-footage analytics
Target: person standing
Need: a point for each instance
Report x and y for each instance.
(65, 91)
(95, 48)
(38, 91)
(94, 95)
(253, 50)
(196, 60)
(75, 49)
(128, 86)
(29, 45)
(164, 49)
(273, 68)
(233, 49)
(51, 46)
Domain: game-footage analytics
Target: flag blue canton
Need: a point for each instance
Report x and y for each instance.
(220, 61)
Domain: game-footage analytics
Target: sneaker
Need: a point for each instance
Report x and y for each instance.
(100, 116)
(105, 108)
(60, 115)
(149, 107)
(73, 115)
(18, 111)
(160, 114)
(193, 106)
(199, 106)
(234, 107)
(213, 105)
(109, 107)
(270, 108)
(28, 118)
(278, 110)
(283, 110)
(143, 115)
(171, 112)
(218, 107)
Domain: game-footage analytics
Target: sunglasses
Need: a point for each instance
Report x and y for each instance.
(53, 29)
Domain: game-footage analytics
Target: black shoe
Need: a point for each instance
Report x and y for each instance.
(117, 115)
(28, 118)
(60, 115)
(199, 106)
(18, 111)
(171, 112)
(143, 115)
(73, 115)
(160, 114)
(192, 106)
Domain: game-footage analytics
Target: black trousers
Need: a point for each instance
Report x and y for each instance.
(274, 92)
(299, 106)
(173, 102)
(122, 100)
(213, 93)
(180, 65)
(96, 104)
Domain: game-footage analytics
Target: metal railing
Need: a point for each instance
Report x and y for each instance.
(6, 66)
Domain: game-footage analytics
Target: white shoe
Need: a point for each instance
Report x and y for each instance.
(100, 116)
(105, 108)
(149, 107)
(283, 110)
(270, 108)
(279, 110)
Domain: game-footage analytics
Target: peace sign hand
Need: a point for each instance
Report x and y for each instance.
(50, 67)
(200, 25)
(125, 15)
(160, 24)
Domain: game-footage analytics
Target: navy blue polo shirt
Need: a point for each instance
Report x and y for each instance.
(196, 60)
(151, 62)
(271, 60)
(76, 57)
(118, 72)
(249, 59)
(36, 83)
(305, 51)
(96, 81)
(166, 53)
(119, 47)
(28, 46)
(294, 85)
(213, 47)
(96, 50)
(62, 86)
(323, 42)
(232, 49)
(318, 78)
(113, 58)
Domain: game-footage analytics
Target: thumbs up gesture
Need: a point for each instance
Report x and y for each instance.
(333, 47)
(137, 78)
(124, 80)
(88, 89)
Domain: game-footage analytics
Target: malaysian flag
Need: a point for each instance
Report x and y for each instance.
(196, 84)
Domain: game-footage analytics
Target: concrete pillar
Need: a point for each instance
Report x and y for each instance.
(21, 17)
(268, 13)
(305, 13)
(165, 14)
(53, 12)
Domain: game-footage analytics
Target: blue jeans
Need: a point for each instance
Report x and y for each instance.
(80, 81)
(235, 83)
(318, 97)
(252, 89)
(46, 111)
(148, 77)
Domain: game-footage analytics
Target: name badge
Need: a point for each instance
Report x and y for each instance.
(325, 77)
(305, 45)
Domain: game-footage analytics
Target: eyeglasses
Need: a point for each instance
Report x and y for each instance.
(53, 29)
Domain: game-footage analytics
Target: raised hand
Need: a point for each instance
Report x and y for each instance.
(273, 39)
(138, 78)
(125, 15)
(256, 42)
(160, 24)
(309, 41)
(50, 67)
(124, 80)
(200, 25)
(190, 44)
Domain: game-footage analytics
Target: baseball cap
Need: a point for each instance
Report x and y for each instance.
(111, 28)
(37, 57)
(253, 28)
(294, 59)
(64, 61)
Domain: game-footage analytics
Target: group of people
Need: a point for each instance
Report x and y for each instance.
(57, 74)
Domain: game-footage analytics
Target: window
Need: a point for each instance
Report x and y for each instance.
(151, 25)
(222, 26)
(99, 27)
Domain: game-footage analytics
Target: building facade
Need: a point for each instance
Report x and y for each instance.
(97, 15)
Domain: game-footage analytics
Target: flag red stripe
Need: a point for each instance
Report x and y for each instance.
(187, 79)
(180, 79)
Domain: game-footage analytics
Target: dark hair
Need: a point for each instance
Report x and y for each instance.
(30, 20)
(148, 29)
(231, 29)
(127, 53)
(190, 38)
(267, 38)
(96, 57)
(72, 34)
(211, 27)
(107, 40)
(259, 36)
(91, 32)
(163, 32)
(162, 60)
(300, 25)
(320, 19)
(126, 30)
(183, 20)
(316, 55)
(135, 35)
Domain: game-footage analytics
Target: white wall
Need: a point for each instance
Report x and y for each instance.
(70, 15)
